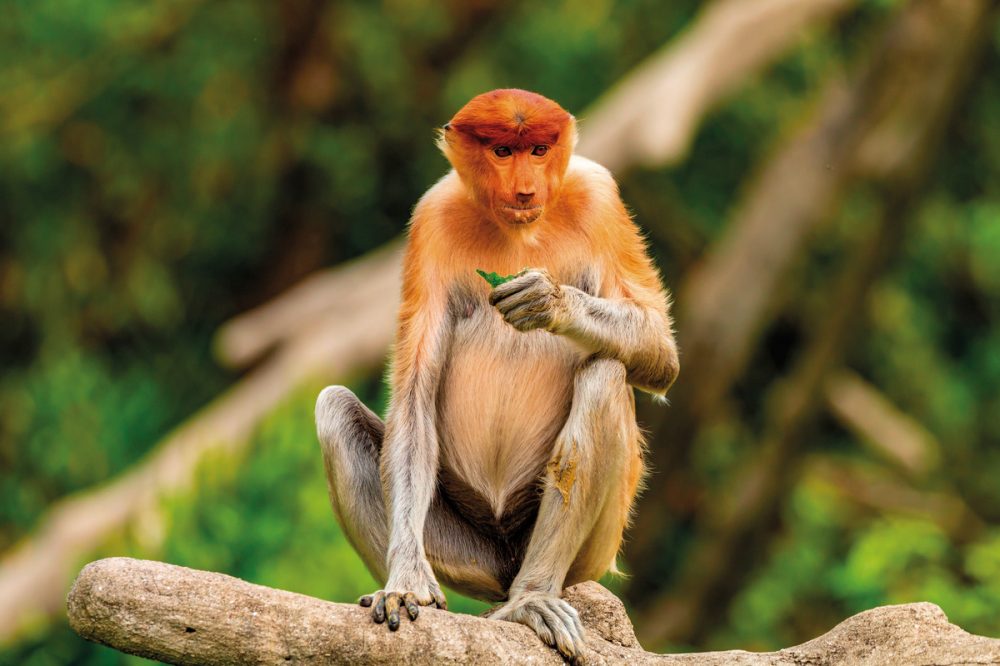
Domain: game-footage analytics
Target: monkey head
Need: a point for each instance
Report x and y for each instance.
(510, 148)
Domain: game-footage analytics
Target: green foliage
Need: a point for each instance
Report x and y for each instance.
(496, 280)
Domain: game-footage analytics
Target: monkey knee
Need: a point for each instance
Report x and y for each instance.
(336, 408)
(331, 403)
(602, 383)
(607, 371)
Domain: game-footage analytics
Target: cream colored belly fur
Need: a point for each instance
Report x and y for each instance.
(503, 400)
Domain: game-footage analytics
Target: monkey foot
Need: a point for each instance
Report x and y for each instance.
(555, 621)
(386, 605)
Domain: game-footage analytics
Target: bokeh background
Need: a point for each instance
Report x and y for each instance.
(199, 211)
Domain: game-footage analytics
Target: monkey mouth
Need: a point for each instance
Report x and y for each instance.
(522, 214)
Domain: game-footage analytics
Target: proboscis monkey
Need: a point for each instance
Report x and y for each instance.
(510, 455)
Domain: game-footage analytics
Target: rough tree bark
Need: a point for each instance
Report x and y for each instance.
(183, 616)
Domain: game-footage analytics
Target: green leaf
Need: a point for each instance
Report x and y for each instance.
(497, 280)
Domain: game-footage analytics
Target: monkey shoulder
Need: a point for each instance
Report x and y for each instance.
(591, 195)
(591, 190)
(445, 195)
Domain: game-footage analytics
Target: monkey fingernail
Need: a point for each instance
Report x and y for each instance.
(411, 605)
(366, 600)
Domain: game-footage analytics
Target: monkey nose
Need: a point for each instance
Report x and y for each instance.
(524, 198)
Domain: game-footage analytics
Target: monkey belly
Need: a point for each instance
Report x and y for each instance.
(504, 397)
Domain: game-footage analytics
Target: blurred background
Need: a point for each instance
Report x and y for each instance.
(200, 207)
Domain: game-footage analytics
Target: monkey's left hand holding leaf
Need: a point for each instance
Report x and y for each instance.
(529, 301)
(509, 460)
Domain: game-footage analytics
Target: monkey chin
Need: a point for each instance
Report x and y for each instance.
(515, 216)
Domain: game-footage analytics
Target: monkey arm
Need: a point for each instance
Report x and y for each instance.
(629, 320)
(637, 334)
(634, 329)
(409, 461)
(410, 452)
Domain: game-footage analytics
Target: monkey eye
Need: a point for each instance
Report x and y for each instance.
(539, 150)
(502, 151)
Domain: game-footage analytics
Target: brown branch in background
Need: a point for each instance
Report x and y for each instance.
(650, 117)
(901, 440)
(860, 484)
(184, 616)
(875, 421)
(726, 303)
(333, 295)
(917, 78)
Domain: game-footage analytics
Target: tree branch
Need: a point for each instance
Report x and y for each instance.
(875, 421)
(690, 75)
(183, 616)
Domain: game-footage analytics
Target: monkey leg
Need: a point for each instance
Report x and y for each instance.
(588, 487)
(350, 437)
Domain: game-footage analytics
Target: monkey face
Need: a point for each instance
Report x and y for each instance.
(522, 183)
(511, 149)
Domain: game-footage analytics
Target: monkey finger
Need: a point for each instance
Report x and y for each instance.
(392, 610)
(439, 599)
(519, 283)
(570, 619)
(528, 318)
(366, 600)
(497, 295)
(521, 311)
(535, 297)
(412, 607)
(378, 608)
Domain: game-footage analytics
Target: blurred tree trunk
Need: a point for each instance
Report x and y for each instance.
(628, 127)
(883, 131)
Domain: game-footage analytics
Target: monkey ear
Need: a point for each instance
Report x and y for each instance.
(574, 133)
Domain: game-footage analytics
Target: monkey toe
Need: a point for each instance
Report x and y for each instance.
(412, 607)
(392, 603)
(377, 602)
(555, 621)
(390, 607)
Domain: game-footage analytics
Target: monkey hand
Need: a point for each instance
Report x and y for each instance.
(555, 621)
(531, 300)
(421, 589)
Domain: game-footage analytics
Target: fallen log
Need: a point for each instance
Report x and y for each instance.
(184, 616)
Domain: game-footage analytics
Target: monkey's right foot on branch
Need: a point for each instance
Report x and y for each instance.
(385, 605)
(555, 621)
